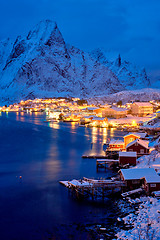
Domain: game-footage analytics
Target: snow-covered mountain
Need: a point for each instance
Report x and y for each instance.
(130, 76)
(43, 65)
(142, 95)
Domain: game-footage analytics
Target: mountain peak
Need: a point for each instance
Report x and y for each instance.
(42, 30)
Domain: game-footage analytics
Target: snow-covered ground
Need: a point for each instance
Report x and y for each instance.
(145, 221)
(129, 119)
(153, 123)
(150, 161)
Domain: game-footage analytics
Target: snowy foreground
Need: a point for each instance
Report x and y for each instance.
(145, 221)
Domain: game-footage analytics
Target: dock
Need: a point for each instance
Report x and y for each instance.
(129, 193)
(93, 188)
(95, 156)
(104, 163)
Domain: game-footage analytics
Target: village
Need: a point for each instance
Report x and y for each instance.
(135, 158)
(130, 116)
(140, 119)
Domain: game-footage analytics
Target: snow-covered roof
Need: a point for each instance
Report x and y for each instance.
(143, 104)
(98, 118)
(119, 109)
(127, 154)
(139, 141)
(135, 134)
(139, 135)
(113, 141)
(88, 116)
(152, 179)
(78, 183)
(92, 108)
(138, 173)
(142, 135)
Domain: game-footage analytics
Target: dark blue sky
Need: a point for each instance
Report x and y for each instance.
(131, 27)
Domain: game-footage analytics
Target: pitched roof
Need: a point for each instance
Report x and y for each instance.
(119, 109)
(92, 108)
(140, 142)
(138, 173)
(95, 118)
(114, 141)
(135, 134)
(139, 135)
(152, 179)
(143, 104)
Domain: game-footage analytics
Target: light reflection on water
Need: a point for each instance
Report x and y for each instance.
(105, 134)
(45, 153)
(54, 125)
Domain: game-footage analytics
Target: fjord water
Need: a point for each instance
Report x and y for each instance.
(36, 206)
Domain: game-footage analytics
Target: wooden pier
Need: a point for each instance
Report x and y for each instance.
(95, 156)
(104, 163)
(107, 155)
(93, 187)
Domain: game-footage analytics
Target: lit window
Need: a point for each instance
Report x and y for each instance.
(131, 139)
(153, 185)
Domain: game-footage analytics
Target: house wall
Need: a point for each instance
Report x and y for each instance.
(109, 112)
(126, 160)
(116, 146)
(141, 110)
(98, 111)
(137, 148)
(131, 184)
(134, 109)
(149, 187)
(158, 114)
(129, 139)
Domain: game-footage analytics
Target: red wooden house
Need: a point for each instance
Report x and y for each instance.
(127, 158)
(130, 137)
(139, 146)
(152, 183)
(141, 177)
(116, 145)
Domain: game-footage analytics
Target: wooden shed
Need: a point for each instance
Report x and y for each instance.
(127, 158)
(152, 183)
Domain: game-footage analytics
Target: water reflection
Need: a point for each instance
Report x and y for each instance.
(94, 134)
(73, 125)
(105, 134)
(112, 132)
(44, 156)
(87, 133)
(54, 125)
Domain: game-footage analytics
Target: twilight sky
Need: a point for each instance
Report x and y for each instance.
(129, 27)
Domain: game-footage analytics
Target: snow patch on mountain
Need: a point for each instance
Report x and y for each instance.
(141, 95)
(130, 76)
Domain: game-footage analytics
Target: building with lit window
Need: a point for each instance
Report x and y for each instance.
(141, 109)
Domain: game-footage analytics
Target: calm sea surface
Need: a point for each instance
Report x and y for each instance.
(37, 207)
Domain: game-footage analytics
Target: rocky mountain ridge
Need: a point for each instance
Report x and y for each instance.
(43, 65)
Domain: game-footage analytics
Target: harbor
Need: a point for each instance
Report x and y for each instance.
(93, 188)
(48, 153)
